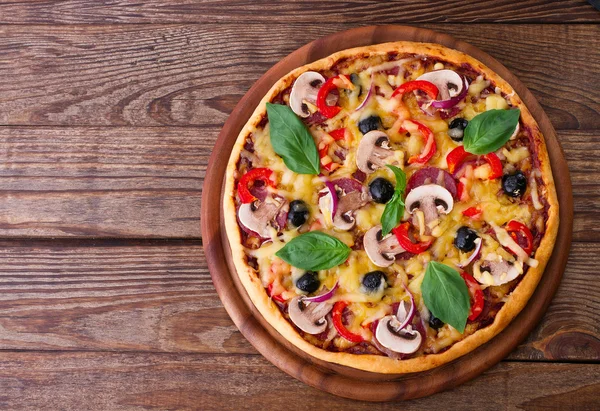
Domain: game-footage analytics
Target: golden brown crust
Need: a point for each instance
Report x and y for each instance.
(374, 363)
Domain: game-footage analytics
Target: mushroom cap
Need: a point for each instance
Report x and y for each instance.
(381, 251)
(405, 341)
(309, 318)
(501, 271)
(305, 88)
(257, 216)
(372, 150)
(347, 205)
(448, 82)
(430, 196)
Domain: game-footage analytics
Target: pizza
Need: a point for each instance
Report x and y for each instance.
(390, 208)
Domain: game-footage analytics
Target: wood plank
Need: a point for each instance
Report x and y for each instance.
(152, 75)
(305, 11)
(117, 381)
(146, 182)
(159, 297)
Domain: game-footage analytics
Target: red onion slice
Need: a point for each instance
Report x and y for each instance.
(474, 254)
(411, 312)
(323, 297)
(334, 197)
(369, 94)
(451, 102)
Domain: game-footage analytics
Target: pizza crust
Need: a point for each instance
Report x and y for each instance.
(376, 363)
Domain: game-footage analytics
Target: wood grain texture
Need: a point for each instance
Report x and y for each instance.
(303, 11)
(146, 181)
(116, 295)
(181, 75)
(132, 381)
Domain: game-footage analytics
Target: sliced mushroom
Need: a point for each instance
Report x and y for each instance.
(431, 199)
(448, 82)
(372, 151)
(405, 341)
(495, 270)
(309, 317)
(305, 90)
(258, 216)
(381, 251)
(347, 206)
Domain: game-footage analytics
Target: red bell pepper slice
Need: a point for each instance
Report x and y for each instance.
(256, 174)
(278, 297)
(338, 134)
(326, 88)
(476, 296)
(401, 233)
(514, 228)
(426, 86)
(336, 315)
(458, 156)
(430, 147)
(472, 212)
(494, 162)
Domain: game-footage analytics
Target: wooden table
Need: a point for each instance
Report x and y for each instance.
(108, 115)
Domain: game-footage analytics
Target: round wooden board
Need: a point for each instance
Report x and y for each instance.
(344, 381)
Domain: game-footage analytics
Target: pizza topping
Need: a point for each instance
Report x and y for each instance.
(381, 250)
(309, 317)
(395, 332)
(474, 255)
(458, 159)
(369, 124)
(430, 146)
(298, 213)
(495, 270)
(336, 315)
(465, 239)
(404, 239)
(473, 213)
(373, 282)
(446, 295)
(381, 190)
(432, 175)
(394, 209)
(507, 241)
(426, 86)
(323, 297)
(330, 85)
(248, 180)
(514, 185)
(432, 199)
(291, 140)
(452, 101)
(308, 282)
(314, 251)
(476, 296)
(521, 234)
(304, 92)
(348, 203)
(258, 216)
(456, 128)
(373, 149)
(370, 92)
(435, 322)
(448, 82)
(490, 130)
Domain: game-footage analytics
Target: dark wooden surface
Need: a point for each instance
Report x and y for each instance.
(108, 113)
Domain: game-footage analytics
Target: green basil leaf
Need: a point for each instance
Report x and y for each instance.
(292, 141)
(446, 295)
(314, 251)
(490, 130)
(394, 209)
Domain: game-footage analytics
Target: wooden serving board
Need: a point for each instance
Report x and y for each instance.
(340, 380)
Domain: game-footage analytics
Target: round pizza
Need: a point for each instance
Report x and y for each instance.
(390, 208)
